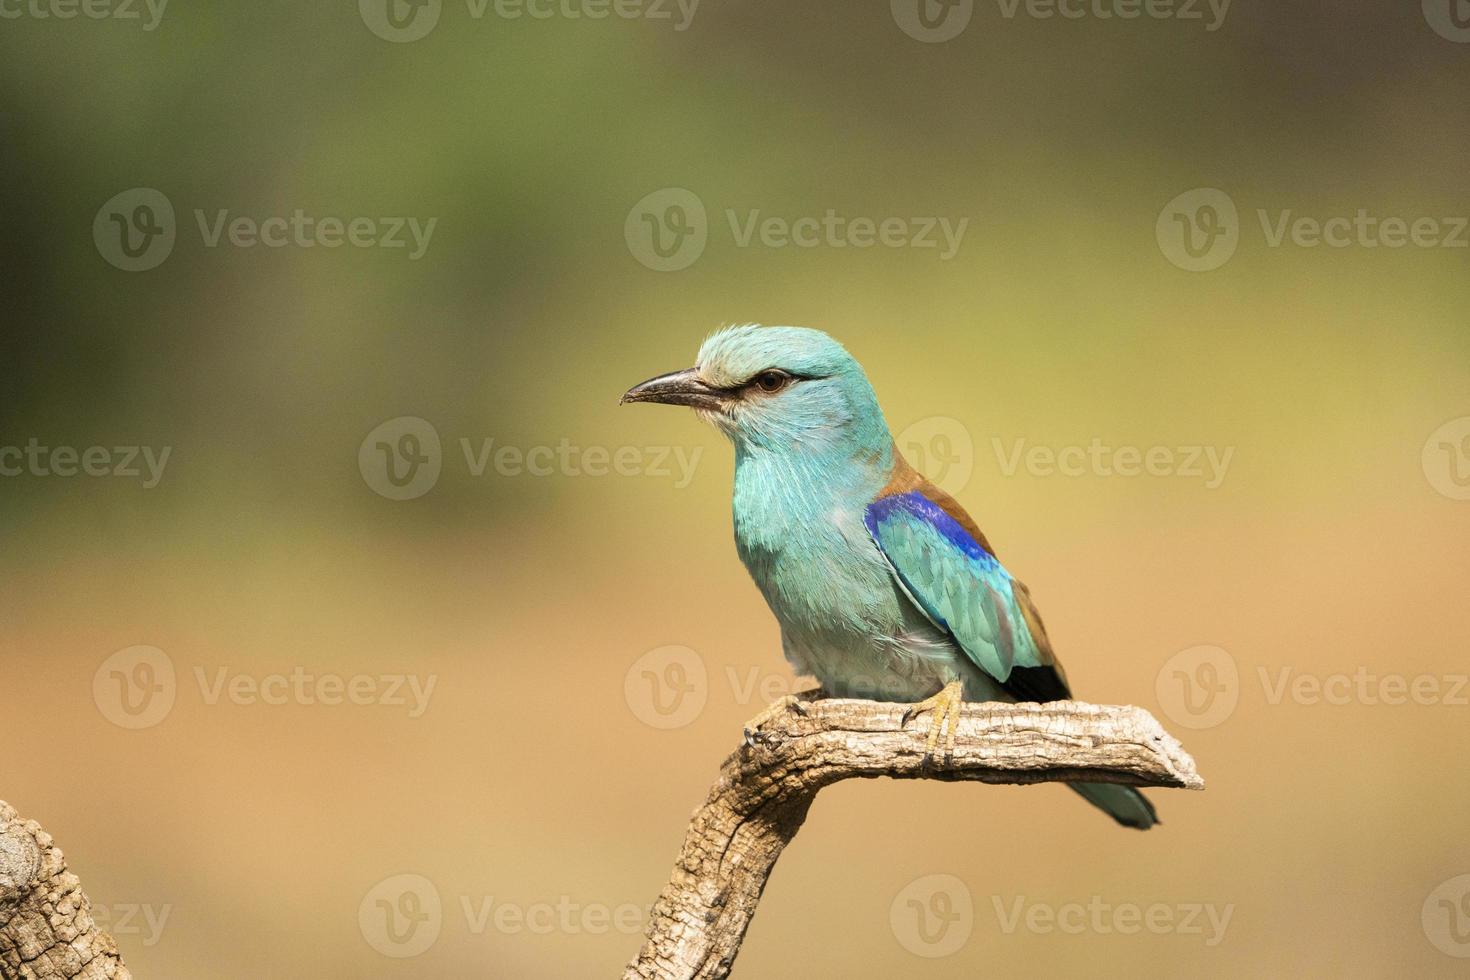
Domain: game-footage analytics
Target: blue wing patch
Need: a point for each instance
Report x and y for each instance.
(964, 589)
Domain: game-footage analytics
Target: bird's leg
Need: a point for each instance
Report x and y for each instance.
(802, 698)
(946, 707)
(795, 702)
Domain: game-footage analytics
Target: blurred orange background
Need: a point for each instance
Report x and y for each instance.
(536, 792)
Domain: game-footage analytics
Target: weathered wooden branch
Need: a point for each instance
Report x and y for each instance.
(46, 927)
(762, 795)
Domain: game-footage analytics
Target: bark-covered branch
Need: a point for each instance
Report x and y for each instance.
(46, 927)
(764, 791)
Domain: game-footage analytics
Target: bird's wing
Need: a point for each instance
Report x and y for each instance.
(947, 568)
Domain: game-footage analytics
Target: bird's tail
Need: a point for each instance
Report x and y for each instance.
(1123, 803)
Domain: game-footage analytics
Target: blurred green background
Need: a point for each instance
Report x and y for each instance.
(537, 776)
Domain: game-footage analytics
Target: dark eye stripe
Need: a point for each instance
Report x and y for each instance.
(789, 375)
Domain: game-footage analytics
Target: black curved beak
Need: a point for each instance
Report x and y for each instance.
(678, 388)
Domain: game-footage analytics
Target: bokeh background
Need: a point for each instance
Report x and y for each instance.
(549, 775)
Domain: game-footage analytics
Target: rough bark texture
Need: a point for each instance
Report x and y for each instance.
(764, 791)
(46, 927)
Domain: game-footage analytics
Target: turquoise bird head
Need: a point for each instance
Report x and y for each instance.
(788, 390)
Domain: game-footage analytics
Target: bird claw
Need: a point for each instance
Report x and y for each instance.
(946, 706)
(753, 734)
(754, 737)
(791, 702)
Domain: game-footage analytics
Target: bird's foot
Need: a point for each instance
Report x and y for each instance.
(791, 702)
(946, 707)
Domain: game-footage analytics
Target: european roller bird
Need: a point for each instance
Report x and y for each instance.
(884, 587)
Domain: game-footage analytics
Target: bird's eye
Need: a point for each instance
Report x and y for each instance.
(772, 381)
